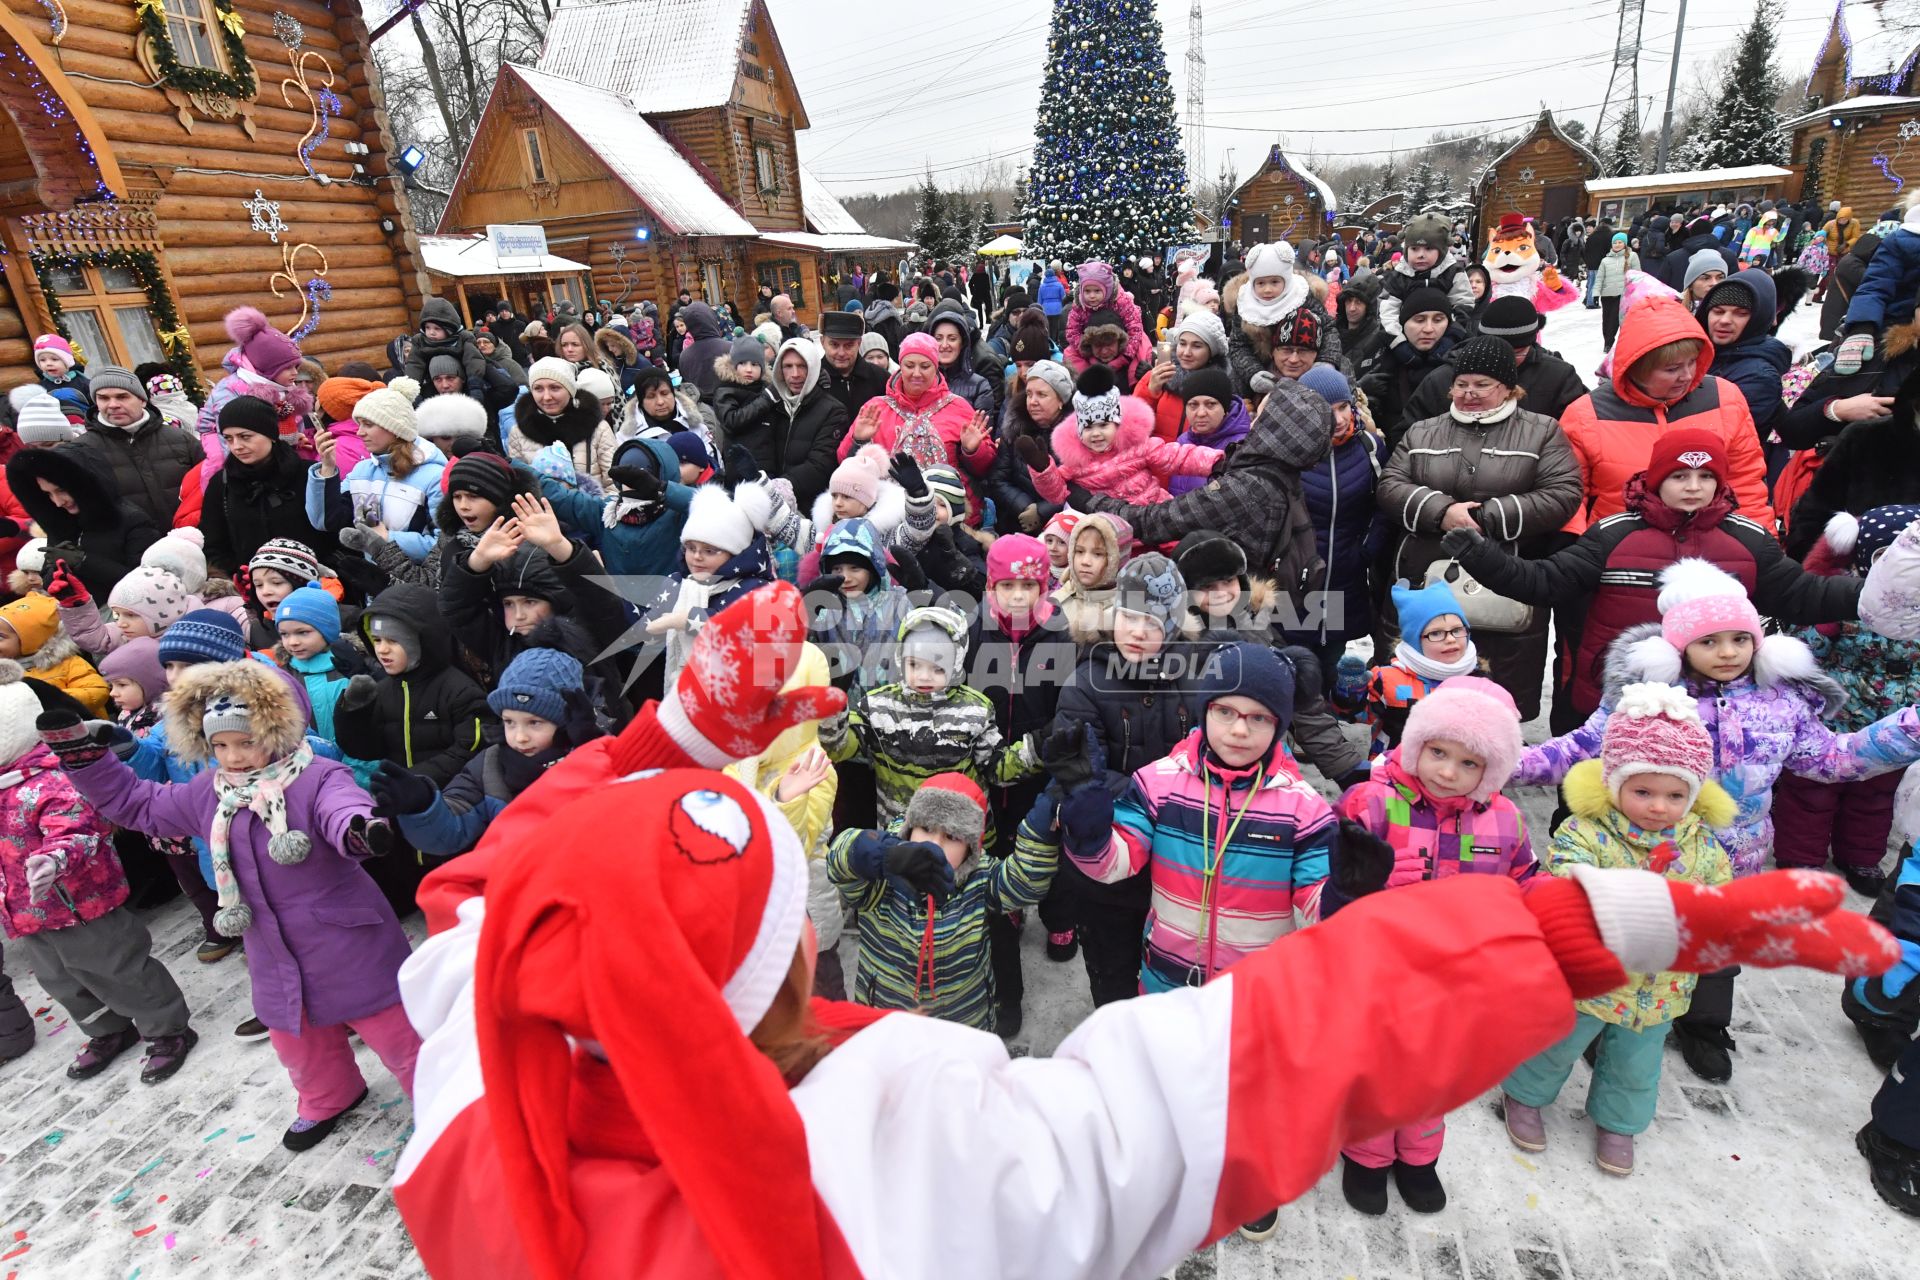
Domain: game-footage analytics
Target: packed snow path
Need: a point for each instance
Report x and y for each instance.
(110, 1179)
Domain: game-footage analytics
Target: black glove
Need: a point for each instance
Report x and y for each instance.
(637, 482)
(10, 528)
(742, 466)
(907, 570)
(1363, 861)
(906, 473)
(1032, 452)
(369, 837)
(67, 551)
(923, 868)
(359, 693)
(76, 742)
(1074, 755)
(829, 581)
(398, 791)
(1461, 542)
(1080, 498)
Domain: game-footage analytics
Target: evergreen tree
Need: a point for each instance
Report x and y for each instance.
(1359, 192)
(1624, 157)
(1391, 181)
(1420, 188)
(1743, 126)
(1109, 175)
(1575, 129)
(982, 229)
(932, 223)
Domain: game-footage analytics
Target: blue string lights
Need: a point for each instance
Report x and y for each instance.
(54, 110)
(1109, 178)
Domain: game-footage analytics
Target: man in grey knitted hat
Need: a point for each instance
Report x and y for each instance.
(140, 453)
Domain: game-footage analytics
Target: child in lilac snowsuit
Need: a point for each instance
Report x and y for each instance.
(1762, 699)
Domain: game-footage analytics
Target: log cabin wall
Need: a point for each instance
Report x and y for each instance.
(192, 160)
(1542, 170)
(1292, 207)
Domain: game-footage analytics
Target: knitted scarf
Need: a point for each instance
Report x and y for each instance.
(263, 791)
(918, 438)
(1420, 664)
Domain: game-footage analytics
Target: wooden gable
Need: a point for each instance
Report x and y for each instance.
(527, 165)
(1543, 177)
(1279, 201)
(1828, 81)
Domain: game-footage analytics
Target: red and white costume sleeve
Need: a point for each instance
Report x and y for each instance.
(1157, 1126)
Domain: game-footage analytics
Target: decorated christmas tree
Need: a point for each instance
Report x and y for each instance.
(1109, 178)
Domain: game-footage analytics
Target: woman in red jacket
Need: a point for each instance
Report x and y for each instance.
(1660, 380)
(596, 1099)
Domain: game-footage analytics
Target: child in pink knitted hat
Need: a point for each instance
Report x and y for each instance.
(1646, 804)
(1764, 700)
(1434, 807)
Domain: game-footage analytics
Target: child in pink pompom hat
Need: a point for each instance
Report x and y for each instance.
(58, 370)
(262, 363)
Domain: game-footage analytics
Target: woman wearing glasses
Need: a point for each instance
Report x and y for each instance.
(1490, 465)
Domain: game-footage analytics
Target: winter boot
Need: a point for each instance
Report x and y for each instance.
(166, 1055)
(1524, 1124)
(1707, 1050)
(303, 1135)
(1894, 1167)
(1612, 1151)
(215, 949)
(1865, 881)
(250, 1030)
(100, 1051)
(1063, 946)
(1007, 1019)
(1420, 1187)
(1364, 1188)
(1262, 1227)
(1886, 1034)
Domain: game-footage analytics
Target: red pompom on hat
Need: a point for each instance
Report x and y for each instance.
(657, 952)
(1685, 447)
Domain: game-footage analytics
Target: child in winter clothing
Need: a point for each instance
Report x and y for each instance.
(1444, 649)
(1099, 548)
(1879, 676)
(63, 904)
(167, 396)
(288, 833)
(31, 634)
(723, 556)
(1763, 699)
(927, 721)
(1646, 804)
(54, 365)
(396, 488)
(859, 607)
(480, 489)
(1428, 262)
(145, 603)
(795, 773)
(1107, 445)
(310, 647)
(541, 700)
(891, 494)
(279, 568)
(422, 712)
(1227, 879)
(1435, 800)
(1057, 537)
(443, 334)
(637, 527)
(1274, 306)
(1097, 291)
(924, 892)
(1886, 295)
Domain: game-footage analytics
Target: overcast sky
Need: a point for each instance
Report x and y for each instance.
(894, 85)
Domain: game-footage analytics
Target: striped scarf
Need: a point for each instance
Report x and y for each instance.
(262, 791)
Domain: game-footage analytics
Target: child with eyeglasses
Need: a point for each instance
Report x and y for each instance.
(1435, 644)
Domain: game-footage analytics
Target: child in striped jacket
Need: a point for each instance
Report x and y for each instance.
(923, 892)
(1435, 801)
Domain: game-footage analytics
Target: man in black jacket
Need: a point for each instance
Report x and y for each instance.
(1599, 241)
(1551, 383)
(1699, 236)
(846, 377)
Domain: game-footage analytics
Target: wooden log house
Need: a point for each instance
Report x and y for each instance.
(1858, 142)
(1281, 200)
(654, 140)
(162, 161)
(1542, 176)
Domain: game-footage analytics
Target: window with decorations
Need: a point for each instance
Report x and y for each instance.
(197, 47)
(783, 276)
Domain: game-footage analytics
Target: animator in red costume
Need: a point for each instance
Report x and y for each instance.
(622, 1074)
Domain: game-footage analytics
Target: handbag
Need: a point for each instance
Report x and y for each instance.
(1483, 608)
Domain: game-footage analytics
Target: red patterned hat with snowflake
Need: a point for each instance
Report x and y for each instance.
(1655, 728)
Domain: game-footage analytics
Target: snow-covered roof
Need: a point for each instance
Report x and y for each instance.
(472, 257)
(1861, 105)
(666, 55)
(825, 213)
(612, 128)
(1878, 43)
(1546, 119)
(861, 243)
(1328, 201)
(1743, 175)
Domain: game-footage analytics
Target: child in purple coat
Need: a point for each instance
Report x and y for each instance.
(288, 832)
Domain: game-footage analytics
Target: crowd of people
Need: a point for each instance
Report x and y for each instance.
(972, 603)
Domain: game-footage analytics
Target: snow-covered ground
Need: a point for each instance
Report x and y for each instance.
(1757, 1179)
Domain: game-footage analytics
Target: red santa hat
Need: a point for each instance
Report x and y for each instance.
(719, 881)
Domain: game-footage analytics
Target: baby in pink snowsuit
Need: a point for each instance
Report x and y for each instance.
(1100, 291)
(1107, 446)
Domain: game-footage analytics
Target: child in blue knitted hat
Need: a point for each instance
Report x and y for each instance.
(1435, 644)
(308, 622)
(544, 712)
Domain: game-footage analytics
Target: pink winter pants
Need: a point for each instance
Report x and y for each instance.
(1410, 1144)
(321, 1061)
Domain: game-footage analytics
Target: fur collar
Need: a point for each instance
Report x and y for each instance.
(279, 724)
(1642, 653)
(1136, 424)
(58, 648)
(889, 512)
(1587, 796)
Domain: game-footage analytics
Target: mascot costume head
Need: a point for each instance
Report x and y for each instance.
(1513, 260)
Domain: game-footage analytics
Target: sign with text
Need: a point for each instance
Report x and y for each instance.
(511, 241)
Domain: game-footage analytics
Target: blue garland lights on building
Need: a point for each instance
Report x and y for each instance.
(1109, 177)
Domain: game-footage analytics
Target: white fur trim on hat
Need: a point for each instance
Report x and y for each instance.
(32, 556)
(1842, 532)
(443, 416)
(1654, 658)
(1695, 579)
